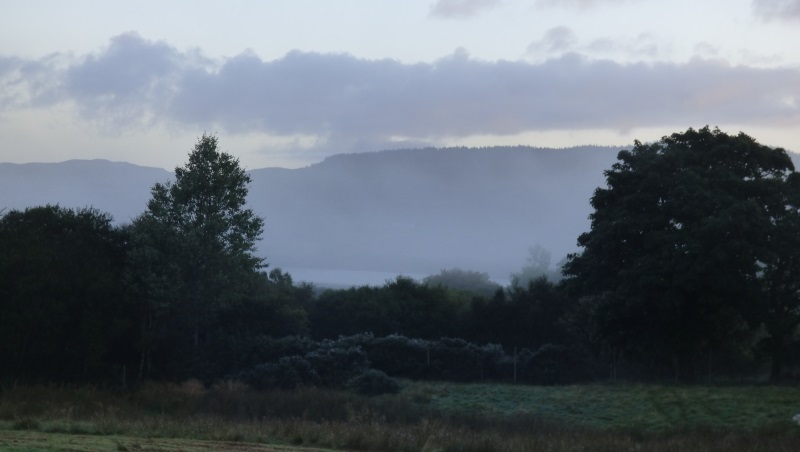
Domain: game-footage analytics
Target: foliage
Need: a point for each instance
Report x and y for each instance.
(675, 248)
(334, 363)
(538, 266)
(63, 314)
(373, 382)
(780, 309)
(472, 282)
(198, 231)
(288, 372)
(402, 306)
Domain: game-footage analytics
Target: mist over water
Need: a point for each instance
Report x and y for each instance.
(416, 212)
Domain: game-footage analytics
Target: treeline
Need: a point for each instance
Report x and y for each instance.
(73, 310)
(689, 273)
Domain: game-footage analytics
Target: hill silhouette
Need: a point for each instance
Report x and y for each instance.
(413, 211)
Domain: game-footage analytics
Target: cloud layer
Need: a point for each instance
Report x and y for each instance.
(352, 103)
(788, 10)
(460, 9)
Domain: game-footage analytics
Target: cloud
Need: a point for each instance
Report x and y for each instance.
(645, 44)
(706, 50)
(788, 10)
(460, 9)
(347, 104)
(560, 40)
(557, 39)
(130, 79)
(26, 82)
(579, 4)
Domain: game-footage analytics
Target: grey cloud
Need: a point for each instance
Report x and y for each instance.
(643, 45)
(580, 4)
(9, 80)
(351, 103)
(27, 82)
(131, 77)
(556, 39)
(460, 9)
(348, 98)
(777, 9)
(706, 49)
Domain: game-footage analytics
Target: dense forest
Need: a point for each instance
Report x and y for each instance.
(689, 272)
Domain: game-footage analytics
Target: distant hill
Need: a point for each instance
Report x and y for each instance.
(121, 189)
(411, 212)
(419, 211)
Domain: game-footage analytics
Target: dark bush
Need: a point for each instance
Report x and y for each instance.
(400, 356)
(373, 382)
(288, 372)
(334, 365)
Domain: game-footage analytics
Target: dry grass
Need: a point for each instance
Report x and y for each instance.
(424, 417)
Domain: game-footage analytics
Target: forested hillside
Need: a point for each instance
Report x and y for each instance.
(398, 212)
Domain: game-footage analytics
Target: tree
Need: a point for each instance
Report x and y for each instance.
(538, 266)
(401, 306)
(62, 309)
(470, 282)
(196, 243)
(780, 309)
(677, 244)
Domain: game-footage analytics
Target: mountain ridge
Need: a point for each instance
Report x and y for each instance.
(413, 211)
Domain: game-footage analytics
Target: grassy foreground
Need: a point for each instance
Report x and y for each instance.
(642, 408)
(27, 441)
(424, 417)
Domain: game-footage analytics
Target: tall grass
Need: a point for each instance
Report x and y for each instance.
(424, 417)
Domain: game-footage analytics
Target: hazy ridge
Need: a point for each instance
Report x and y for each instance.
(410, 211)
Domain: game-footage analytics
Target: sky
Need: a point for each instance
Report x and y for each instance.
(288, 82)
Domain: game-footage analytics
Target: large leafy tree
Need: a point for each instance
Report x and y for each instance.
(63, 315)
(678, 242)
(195, 249)
(780, 309)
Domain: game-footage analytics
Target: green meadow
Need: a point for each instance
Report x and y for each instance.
(425, 416)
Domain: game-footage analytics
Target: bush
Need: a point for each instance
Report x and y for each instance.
(335, 366)
(400, 356)
(373, 382)
(288, 372)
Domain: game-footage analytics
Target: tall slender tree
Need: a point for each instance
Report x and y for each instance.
(199, 232)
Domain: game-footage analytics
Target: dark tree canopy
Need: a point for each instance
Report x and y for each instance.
(61, 304)
(194, 248)
(678, 241)
(206, 207)
(470, 282)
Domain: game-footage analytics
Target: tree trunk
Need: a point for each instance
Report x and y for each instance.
(776, 368)
(777, 350)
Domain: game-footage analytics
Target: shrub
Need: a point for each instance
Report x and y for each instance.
(373, 382)
(335, 366)
(288, 372)
(400, 356)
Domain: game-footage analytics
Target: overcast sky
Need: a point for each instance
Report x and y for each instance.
(286, 83)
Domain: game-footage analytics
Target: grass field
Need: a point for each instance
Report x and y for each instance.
(27, 441)
(645, 408)
(426, 416)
